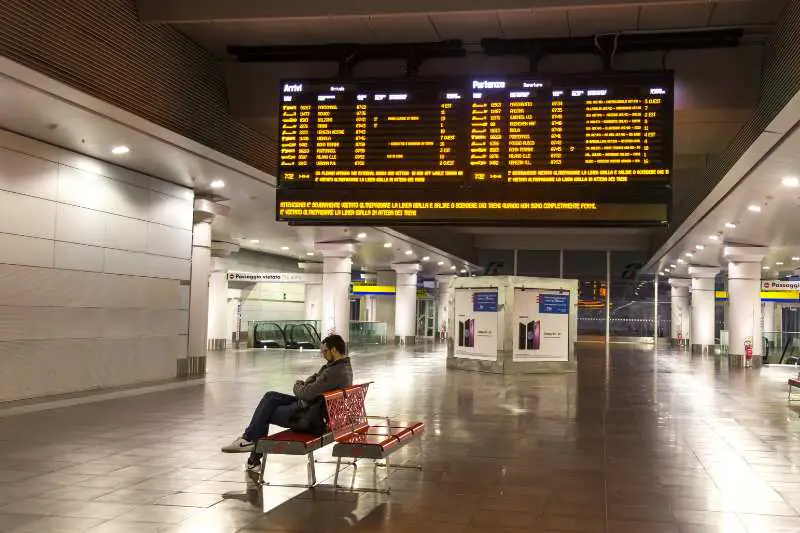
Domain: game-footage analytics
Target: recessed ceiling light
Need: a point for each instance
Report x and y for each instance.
(673, 266)
(452, 267)
(361, 235)
(387, 245)
(688, 254)
(426, 258)
(795, 258)
(779, 263)
(254, 241)
(409, 252)
(309, 253)
(765, 268)
(754, 208)
(119, 150)
(713, 238)
(284, 248)
(700, 247)
(440, 263)
(790, 181)
(217, 184)
(463, 270)
(681, 262)
(730, 225)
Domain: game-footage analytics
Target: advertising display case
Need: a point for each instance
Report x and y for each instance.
(513, 324)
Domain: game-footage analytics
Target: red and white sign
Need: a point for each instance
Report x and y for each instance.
(779, 285)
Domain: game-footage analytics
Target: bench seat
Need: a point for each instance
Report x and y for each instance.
(289, 442)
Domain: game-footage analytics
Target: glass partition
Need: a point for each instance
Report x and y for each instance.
(362, 333)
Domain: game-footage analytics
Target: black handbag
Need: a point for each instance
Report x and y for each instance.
(311, 419)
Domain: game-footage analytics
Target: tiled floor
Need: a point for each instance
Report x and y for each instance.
(633, 442)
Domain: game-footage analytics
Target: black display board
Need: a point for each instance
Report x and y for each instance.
(571, 150)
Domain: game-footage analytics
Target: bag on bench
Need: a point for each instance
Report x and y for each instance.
(311, 419)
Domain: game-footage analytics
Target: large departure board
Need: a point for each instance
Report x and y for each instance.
(531, 150)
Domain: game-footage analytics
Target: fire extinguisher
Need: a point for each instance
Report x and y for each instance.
(748, 351)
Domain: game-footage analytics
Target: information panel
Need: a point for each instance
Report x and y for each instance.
(536, 150)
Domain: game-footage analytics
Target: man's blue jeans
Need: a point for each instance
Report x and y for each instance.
(274, 408)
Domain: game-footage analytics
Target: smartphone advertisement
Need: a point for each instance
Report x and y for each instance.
(542, 321)
(477, 322)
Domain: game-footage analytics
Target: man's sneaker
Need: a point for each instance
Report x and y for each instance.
(240, 445)
(254, 466)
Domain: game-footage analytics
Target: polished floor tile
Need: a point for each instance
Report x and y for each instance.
(635, 441)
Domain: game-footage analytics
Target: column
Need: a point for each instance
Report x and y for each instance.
(703, 306)
(405, 300)
(768, 326)
(336, 276)
(744, 300)
(384, 303)
(680, 309)
(768, 312)
(313, 301)
(198, 301)
(218, 334)
(195, 362)
(443, 293)
(313, 290)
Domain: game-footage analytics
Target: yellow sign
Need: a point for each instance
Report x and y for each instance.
(772, 296)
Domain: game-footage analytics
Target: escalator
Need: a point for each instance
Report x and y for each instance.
(301, 337)
(269, 335)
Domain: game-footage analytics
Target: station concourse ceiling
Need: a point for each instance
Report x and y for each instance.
(716, 89)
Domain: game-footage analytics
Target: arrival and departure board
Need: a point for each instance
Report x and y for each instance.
(521, 151)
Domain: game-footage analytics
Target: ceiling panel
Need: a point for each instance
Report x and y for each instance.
(660, 17)
(467, 26)
(541, 23)
(403, 28)
(747, 12)
(340, 30)
(591, 21)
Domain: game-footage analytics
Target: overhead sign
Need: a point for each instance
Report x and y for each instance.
(374, 289)
(768, 296)
(274, 277)
(534, 150)
(779, 285)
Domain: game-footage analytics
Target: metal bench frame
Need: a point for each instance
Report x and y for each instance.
(793, 382)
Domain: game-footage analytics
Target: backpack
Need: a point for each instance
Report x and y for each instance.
(311, 419)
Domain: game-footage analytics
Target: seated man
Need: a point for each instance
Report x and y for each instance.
(277, 408)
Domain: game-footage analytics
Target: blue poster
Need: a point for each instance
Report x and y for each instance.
(554, 304)
(485, 302)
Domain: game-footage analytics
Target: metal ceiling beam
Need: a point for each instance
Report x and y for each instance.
(609, 45)
(348, 55)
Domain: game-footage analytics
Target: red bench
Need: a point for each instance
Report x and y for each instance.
(350, 429)
(793, 382)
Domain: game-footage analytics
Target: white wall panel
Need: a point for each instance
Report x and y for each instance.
(168, 267)
(90, 272)
(80, 225)
(26, 215)
(169, 241)
(16, 250)
(126, 233)
(78, 257)
(129, 263)
(28, 146)
(82, 188)
(171, 211)
(29, 175)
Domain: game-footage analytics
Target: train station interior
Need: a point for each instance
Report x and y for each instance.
(555, 236)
